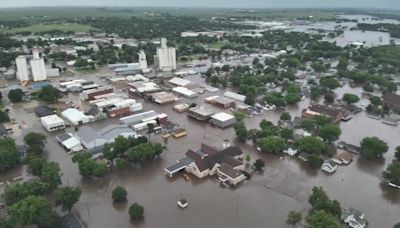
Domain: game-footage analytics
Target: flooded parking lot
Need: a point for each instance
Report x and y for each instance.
(265, 199)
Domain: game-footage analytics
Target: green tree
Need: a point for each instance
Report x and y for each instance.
(285, 116)
(51, 174)
(315, 161)
(321, 219)
(259, 165)
(15, 95)
(330, 83)
(67, 197)
(49, 94)
(136, 211)
(272, 144)
(308, 124)
(120, 145)
(373, 147)
(36, 164)
(119, 194)
(35, 141)
(141, 153)
(375, 100)
(16, 192)
(28, 210)
(286, 133)
(81, 156)
(100, 169)
(392, 173)
(397, 225)
(350, 98)
(121, 163)
(241, 131)
(311, 144)
(294, 218)
(397, 153)
(48, 219)
(239, 115)
(4, 118)
(9, 157)
(330, 132)
(319, 200)
(329, 98)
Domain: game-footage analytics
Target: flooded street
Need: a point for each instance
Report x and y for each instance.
(266, 199)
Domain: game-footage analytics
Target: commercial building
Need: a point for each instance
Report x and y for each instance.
(142, 60)
(42, 111)
(52, 123)
(222, 120)
(179, 82)
(184, 92)
(91, 138)
(138, 118)
(221, 102)
(235, 96)
(89, 95)
(166, 57)
(200, 113)
(164, 98)
(76, 117)
(69, 142)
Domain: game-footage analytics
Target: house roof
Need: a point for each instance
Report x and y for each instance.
(232, 161)
(325, 110)
(63, 137)
(346, 156)
(87, 134)
(207, 156)
(228, 171)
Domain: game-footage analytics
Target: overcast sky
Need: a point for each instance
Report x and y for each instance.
(388, 4)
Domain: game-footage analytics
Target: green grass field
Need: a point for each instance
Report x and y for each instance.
(73, 27)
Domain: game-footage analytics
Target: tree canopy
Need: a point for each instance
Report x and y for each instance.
(272, 144)
(136, 211)
(119, 194)
(67, 197)
(392, 173)
(321, 219)
(312, 145)
(9, 157)
(330, 132)
(373, 147)
(15, 95)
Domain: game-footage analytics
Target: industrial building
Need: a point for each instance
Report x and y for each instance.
(220, 102)
(138, 118)
(91, 138)
(69, 142)
(164, 98)
(235, 96)
(200, 113)
(52, 123)
(31, 67)
(90, 94)
(76, 117)
(184, 92)
(222, 120)
(166, 57)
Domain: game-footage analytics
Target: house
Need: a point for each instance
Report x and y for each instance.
(208, 161)
(76, 117)
(70, 142)
(354, 218)
(222, 120)
(329, 166)
(343, 158)
(200, 113)
(52, 123)
(393, 101)
(91, 138)
(42, 111)
(323, 110)
(304, 156)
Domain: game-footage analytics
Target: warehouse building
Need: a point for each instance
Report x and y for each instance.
(200, 113)
(76, 117)
(184, 92)
(222, 120)
(52, 123)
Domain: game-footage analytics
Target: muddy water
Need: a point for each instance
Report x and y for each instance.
(264, 201)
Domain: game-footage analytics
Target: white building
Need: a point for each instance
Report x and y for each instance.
(22, 68)
(142, 60)
(76, 117)
(37, 69)
(52, 123)
(166, 57)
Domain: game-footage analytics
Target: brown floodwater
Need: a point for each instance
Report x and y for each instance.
(263, 201)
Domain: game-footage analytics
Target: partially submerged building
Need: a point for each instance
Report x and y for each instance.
(200, 113)
(69, 142)
(392, 101)
(76, 117)
(52, 123)
(323, 110)
(208, 161)
(43, 110)
(91, 138)
(222, 120)
(221, 102)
